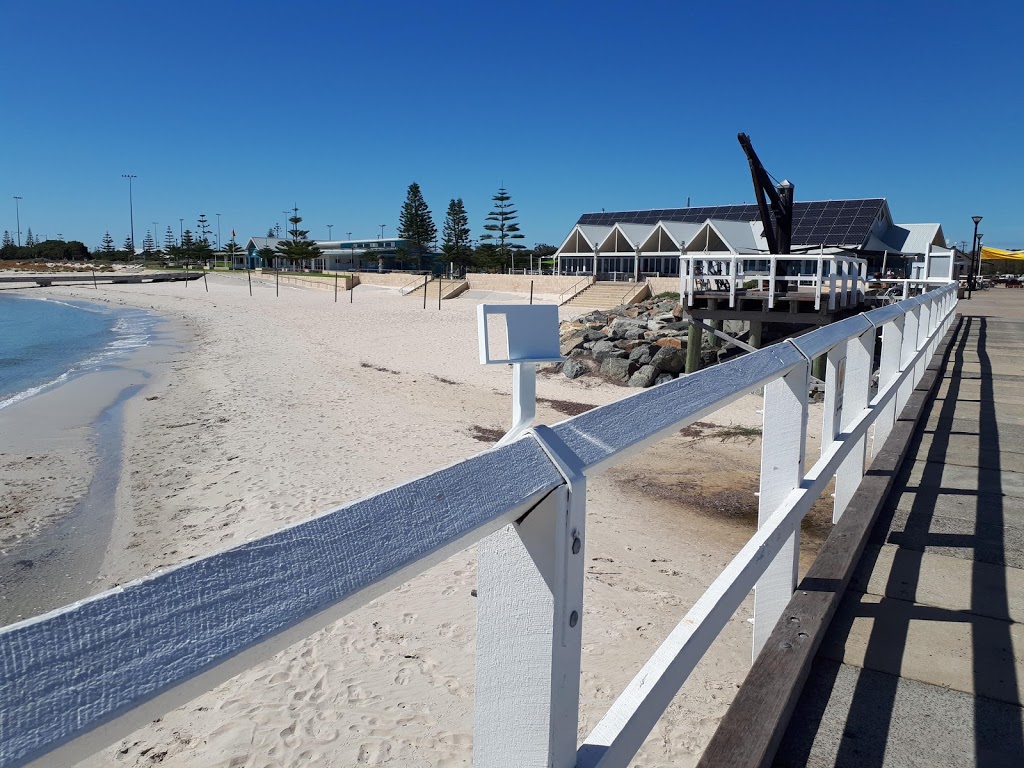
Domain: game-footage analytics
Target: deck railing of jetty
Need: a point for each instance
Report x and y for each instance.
(845, 276)
(79, 678)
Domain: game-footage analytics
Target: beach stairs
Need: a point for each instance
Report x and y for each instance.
(608, 294)
(449, 288)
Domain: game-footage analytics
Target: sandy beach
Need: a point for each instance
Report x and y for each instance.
(268, 409)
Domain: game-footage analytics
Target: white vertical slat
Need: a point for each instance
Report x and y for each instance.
(907, 353)
(817, 289)
(771, 282)
(782, 468)
(889, 369)
(923, 339)
(835, 373)
(859, 359)
(530, 628)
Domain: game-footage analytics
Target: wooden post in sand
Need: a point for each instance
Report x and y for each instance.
(95, 287)
(277, 283)
(248, 272)
(531, 292)
(335, 287)
(426, 279)
(351, 291)
(206, 284)
(439, 281)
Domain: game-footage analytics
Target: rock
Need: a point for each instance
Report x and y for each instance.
(578, 352)
(641, 355)
(678, 311)
(669, 360)
(601, 349)
(595, 335)
(644, 377)
(573, 368)
(616, 369)
(663, 378)
(635, 333)
(670, 341)
(571, 342)
(680, 325)
(632, 312)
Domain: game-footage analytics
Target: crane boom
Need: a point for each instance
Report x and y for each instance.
(778, 229)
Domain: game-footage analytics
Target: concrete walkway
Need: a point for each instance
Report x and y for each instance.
(924, 662)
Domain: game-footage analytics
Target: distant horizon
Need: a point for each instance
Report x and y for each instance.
(337, 109)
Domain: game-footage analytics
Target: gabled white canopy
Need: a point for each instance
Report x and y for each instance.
(583, 239)
(739, 237)
(624, 238)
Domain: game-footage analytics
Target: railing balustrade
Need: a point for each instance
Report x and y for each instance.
(574, 289)
(79, 678)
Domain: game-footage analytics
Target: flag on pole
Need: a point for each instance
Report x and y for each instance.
(232, 233)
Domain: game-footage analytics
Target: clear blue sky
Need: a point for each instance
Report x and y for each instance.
(244, 108)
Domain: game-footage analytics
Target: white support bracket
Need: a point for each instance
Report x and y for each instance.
(532, 333)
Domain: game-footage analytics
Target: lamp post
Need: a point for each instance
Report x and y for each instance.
(287, 214)
(329, 228)
(974, 254)
(381, 231)
(17, 214)
(181, 230)
(977, 278)
(131, 210)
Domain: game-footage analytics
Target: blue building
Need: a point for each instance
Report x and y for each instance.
(337, 255)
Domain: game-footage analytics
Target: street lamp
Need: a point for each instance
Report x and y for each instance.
(329, 228)
(974, 254)
(17, 214)
(181, 230)
(218, 230)
(978, 276)
(131, 211)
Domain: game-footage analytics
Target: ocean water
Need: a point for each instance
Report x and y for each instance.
(44, 342)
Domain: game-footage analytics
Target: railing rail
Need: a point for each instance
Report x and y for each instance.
(78, 678)
(574, 290)
(419, 282)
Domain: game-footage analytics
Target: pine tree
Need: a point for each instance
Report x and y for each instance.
(203, 228)
(8, 240)
(108, 243)
(298, 249)
(128, 247)
(503, 227)
(168, 239)
(232, 249)
(270, 232)
(148, 244)
(455, 244)
(30, 240)
(415, 224)
(266, 254)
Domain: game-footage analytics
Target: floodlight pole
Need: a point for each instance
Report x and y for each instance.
(131, 208)
(17, 214)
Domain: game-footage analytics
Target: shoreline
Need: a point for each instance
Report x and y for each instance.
(62, 459)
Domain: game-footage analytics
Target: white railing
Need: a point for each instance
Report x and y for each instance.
(79, 678)
(840, 279)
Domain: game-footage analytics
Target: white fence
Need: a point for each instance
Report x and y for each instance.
(79, 678)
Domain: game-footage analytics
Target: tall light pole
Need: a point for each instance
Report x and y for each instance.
(156, 235)
(17, 214)
(288, 215)
(974, 254)
(329, 228)
(218, 230)
(381, 231)
(131, 211)
(978, 276)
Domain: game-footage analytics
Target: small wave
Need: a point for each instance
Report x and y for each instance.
(92, 310)
(17, 397)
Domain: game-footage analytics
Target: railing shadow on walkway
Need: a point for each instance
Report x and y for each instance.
(869, 721)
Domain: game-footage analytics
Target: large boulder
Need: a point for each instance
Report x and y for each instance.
(669, 341)
(644, 376)
(616, 369)
(604, 349)
(669, 360)
(574, 368)
(641, 355)
(571, 342)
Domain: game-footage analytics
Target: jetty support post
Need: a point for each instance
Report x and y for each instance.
(694, 335)
(756, 332)
(529, 628)
(782, 470)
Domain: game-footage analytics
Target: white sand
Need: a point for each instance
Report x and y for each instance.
(285, 406)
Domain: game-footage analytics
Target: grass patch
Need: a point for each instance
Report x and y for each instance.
(701, 430)
(667, 295)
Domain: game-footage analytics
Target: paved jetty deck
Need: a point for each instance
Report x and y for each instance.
(923, 664)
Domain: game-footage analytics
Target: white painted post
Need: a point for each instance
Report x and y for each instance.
(771, 283)
(835, 385)
(859, 359)
(782, 470)
(821, 265)
(889, 369)
(732, 282)
(923, 339)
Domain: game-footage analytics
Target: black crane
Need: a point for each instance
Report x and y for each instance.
(778, 229)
